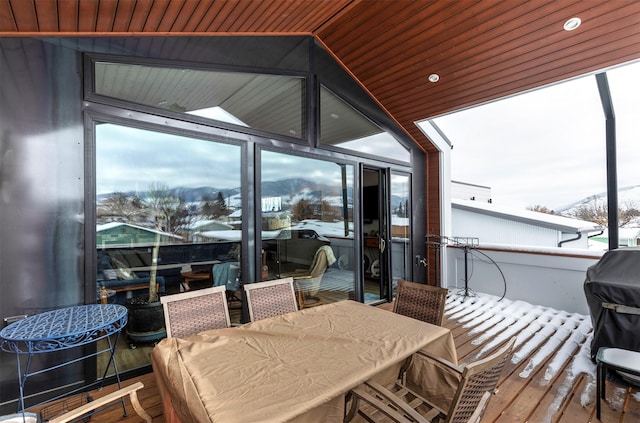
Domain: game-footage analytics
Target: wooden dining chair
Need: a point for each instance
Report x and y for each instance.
(188, 313)
(270, 298)
(402, 404)
(420, 301)
(405, 416)
(90, 407)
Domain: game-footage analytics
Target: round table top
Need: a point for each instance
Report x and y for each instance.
(65, 327)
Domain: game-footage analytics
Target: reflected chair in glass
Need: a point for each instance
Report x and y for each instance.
(375, 402)
(420, 301)
(307, 282)
(227, 274)
(188, 313)
(270, 298)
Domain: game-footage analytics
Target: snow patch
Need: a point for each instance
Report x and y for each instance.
(561, 339)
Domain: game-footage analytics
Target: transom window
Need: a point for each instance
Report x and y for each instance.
(272, 103)
(343, 126)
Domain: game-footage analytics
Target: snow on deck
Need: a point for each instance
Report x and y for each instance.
(555, 340)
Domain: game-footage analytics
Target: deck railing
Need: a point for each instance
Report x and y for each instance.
(547, 276)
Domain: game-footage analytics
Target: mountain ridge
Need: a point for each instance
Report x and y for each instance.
(629, 195)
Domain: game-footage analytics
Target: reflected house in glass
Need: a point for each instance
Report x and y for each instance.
(272, 221)
(118, 234)
(196, 228)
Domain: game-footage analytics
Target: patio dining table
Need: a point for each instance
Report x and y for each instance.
(295, 367)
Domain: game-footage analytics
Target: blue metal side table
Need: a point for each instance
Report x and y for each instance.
(62, 329)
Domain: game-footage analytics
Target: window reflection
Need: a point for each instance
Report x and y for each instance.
(400, 228)
(343, 126)
(267, 102)
(307, 221)
(168, 208)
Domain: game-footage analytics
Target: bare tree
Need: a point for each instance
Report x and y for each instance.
(207, 205)
(540, 209)
(329, 212)
(128, 208)
(629, 214)
(164, 205)
(596, 210)
(302, 210)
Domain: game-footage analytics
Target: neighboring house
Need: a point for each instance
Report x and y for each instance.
(627, 237)
(272, 221)
(467, 191)
(400, 227)
(199, 226)
(500, 225)
(125, 235)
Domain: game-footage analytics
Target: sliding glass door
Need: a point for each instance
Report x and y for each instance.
(307, 207)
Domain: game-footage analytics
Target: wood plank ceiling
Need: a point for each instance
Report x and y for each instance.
(482, 49)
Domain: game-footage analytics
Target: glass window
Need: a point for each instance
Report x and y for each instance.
(343, 126)
(307, 212)
(400, 228)
(272, 103)
(168, 208)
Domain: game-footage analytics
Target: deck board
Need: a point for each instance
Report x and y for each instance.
(551, 381)
(558, 387)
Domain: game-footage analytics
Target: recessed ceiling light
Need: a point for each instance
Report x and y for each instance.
(434, 77)
(334, 115)
(572, 24)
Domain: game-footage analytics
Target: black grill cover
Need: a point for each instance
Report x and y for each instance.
(612, 288)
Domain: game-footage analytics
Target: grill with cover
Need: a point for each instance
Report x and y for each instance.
(612, 289)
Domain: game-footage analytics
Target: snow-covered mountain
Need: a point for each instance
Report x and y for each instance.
(291, 190)
(627, 197)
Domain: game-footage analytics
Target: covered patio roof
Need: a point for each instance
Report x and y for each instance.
(482, 50)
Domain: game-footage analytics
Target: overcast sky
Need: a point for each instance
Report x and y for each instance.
(547, 147)
(132, 159)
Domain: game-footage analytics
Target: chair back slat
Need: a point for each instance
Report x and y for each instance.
(191, 312)
(270, 298)
(476, 384)
(420, 301)
(478, 378)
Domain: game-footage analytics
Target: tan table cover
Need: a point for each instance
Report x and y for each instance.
(294, 367)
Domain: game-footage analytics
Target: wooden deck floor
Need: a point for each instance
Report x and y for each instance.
(549, 379)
